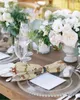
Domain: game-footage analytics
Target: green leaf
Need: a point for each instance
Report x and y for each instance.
(46, 40)
(13, 29)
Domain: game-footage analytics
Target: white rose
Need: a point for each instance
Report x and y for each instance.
(67, 21)
(55, 39)
(76, 26)
(47, 14)
(76, 14)
(64, 12)
(57, 25)
(77, 29)
(7, 17)
(71, 21)
(69, 37)
(66, 27)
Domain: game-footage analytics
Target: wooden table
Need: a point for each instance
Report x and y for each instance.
(13, 92)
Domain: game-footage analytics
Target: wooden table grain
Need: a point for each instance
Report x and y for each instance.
(13, 92)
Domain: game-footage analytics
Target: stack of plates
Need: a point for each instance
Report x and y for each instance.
(5, 58)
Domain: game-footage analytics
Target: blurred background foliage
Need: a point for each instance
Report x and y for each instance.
(70, 4)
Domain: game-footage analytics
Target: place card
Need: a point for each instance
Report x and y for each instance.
(3, 55)
(47, 81)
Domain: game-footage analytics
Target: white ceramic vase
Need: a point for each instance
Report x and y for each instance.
(71, 54)
(44, 49)
(41, 48)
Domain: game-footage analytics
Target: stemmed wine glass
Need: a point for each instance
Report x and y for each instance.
(21, 48)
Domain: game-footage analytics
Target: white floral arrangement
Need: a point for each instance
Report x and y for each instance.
(63, 27)
(11, 17)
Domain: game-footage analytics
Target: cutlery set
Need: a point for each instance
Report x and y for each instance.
(75, 93)
(77, 96)
(69, 96)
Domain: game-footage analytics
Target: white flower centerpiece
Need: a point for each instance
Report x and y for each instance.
(11, 18)
(39, 34)
(65, 31)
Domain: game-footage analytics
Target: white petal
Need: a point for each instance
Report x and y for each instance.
(69, 37)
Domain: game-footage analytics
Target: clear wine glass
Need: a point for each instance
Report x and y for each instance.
(21, 48)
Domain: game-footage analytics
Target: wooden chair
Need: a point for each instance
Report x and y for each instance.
(28, 4)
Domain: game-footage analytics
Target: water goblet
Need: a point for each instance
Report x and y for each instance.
(21, 48)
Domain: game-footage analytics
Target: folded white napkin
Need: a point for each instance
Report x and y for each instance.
(3, 55)
(47, 81)
(10, 50)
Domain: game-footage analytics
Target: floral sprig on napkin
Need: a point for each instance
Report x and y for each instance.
(11, 17)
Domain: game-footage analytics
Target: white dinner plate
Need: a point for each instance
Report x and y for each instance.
(5, 69)
(9, 74)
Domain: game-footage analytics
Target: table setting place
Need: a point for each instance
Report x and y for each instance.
(53, 80)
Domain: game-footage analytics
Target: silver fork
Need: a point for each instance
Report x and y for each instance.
(68, 96)
(77, 96)
(72, 94)
(77, 69)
